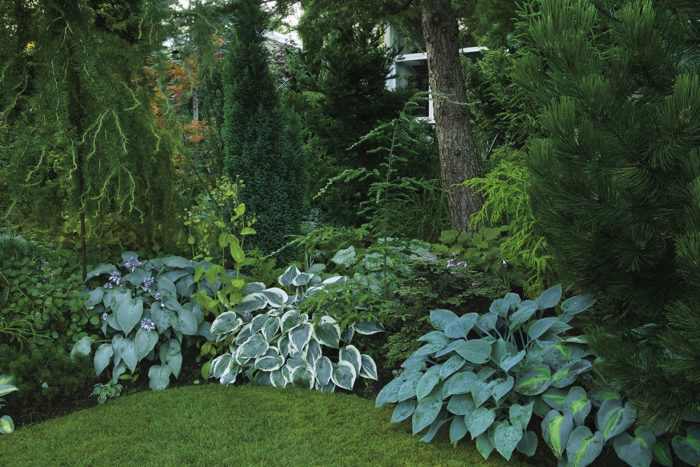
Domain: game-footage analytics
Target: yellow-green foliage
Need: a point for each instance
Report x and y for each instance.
(508, 203)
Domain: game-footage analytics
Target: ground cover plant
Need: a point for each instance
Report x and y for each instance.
(212, 424)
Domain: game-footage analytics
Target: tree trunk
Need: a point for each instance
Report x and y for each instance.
(459, 159)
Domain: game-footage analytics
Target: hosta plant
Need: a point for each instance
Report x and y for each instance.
(6, 387)
(272, 343)
(145, 314)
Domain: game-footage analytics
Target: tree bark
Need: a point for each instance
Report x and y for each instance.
(459, 159)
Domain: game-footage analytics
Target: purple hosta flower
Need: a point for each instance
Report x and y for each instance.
(505, 264)
(132, 264)
(246, 315)
(158, 296)
(104, 316)
(115, 278)
(147, 324)
(148, 281)
(432, 260)
(108, 285)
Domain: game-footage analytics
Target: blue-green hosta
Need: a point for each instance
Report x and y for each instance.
(6, 387)
(274, 344)
(145, 315)
(485, 375)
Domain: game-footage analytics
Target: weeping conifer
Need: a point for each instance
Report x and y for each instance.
(81, 152)
(616, 181)
(261, 139)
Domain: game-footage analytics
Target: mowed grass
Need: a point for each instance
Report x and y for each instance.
(246, 425)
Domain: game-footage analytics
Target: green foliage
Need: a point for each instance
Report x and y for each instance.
(262, 140)
(40, 293)
(273, 344)
(614, 186)
(145, 314)
(507, 203)
(6, 424)
(105, 391)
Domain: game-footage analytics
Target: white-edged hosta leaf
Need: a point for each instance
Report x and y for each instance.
(255, 346)
(224, 323)
(270, 328)
(549, 297)
(289, 320)
(427, 382)
(323, 370)
(128, 314)
(327, 333)
(612, 418)
(145, 342)
(509, 361)
(276, 297)
(528, 443)
(506, 438)
(583, 447)
(270, 363)
(158, 377)
(347, 334)
(252, 302)
(535, 380)
(219, 365)
(458, 429)
(453, 364)
(7, 426)
(367, 328)
(480, 420)
(350, 354)
(103, 355)
(556, 429)
(277, 380)
(258, 321)
(313, 352)
(461, 404)
(369, 368)
(344, 375)
(426, 412)
(82, 347)
(440, 318)
(300, 336)
(460, 327)
(302, 279)
(403, 410)
(288, 276)
(475, 351)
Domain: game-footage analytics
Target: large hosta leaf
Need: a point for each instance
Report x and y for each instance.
(528, 443)
(578, 404)
(427, 382)
(480, 420)
(350, 354)
(475, 351)
(369, 368)
(637, 450)
(103, 355)
(534, 381)
(461, 404)
(440, 318)
(82, 347)
(441, 419)
(426, 412)
(549, 297)
(344, 375)
(173, 357)
(567, 375)
(129, 313)
(460, 383)
(389, 393)
(403, 410)
(687, 448)
(506, 437)
(556, 429)
(460, 327)
(226, 322)
(299, 337)
(520, 414)
(7, 426)
(613, 419)
(323, 370)
(276, 297)
(575, 305)
(145, 342)
(269, 363)
(159, 377)
(409, 386)
(583, 447)
(453, 364)
(252, 302)
(286, 279)
(509, 361)
(327, 332)
(367, 327)
(129, 354)
(458, 429)
(254, 347)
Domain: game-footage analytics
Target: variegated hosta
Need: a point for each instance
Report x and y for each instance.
(486, 374)
(273, 344)
(6, 387)
(145, 315)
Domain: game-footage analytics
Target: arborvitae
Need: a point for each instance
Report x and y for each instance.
(82, 146)
(616, 181)
(262, 141)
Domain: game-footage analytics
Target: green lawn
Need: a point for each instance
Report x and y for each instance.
(213, 424)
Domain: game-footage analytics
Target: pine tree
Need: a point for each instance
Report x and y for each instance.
(262, 140)
(616, 181)
(82, 153)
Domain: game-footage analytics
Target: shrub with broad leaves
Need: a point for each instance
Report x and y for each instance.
(272, 343)
(145, 314)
